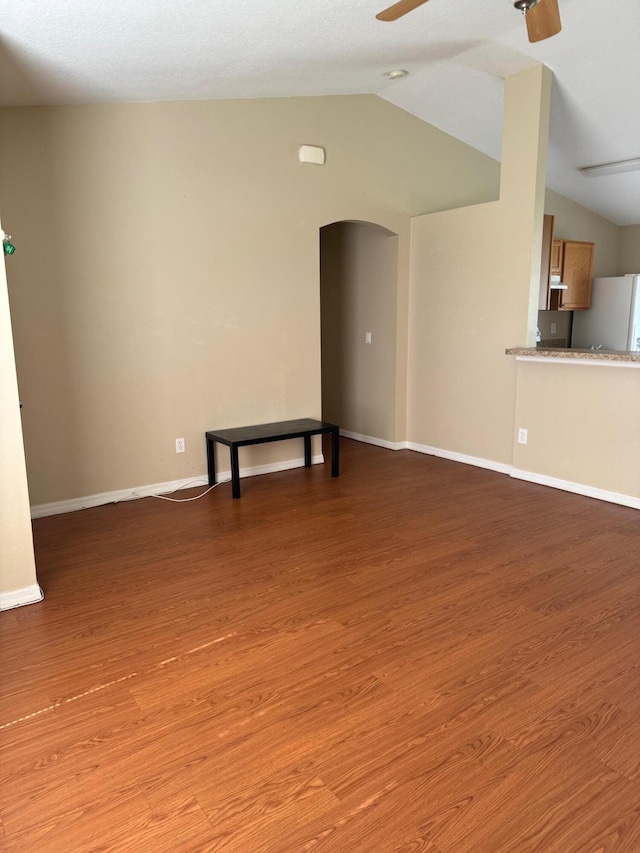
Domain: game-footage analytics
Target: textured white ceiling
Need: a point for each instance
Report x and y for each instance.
(457, 52)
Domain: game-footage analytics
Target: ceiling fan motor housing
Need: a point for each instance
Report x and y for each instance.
(525, 5)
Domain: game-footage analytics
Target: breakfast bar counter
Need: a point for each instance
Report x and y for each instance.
(576, 356)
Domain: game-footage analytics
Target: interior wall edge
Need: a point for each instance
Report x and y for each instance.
(370, 439)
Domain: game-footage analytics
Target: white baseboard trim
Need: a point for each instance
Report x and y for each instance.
(576, 488)
(530, 476)
(74, 504)
(478, 461)
(369, 439)
(20, 597)
(33, 594)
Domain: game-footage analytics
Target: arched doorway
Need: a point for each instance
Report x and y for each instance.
(358, 309)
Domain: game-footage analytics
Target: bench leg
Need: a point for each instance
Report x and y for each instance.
(211, 462)
(335, 453)
(307, 451)
(235, 472)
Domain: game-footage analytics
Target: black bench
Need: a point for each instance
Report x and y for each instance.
(263, 433)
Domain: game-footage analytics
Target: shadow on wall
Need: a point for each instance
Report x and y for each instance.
(358, 303)
(19, 83)
(37, 278)
(27, 78)
(41, 203)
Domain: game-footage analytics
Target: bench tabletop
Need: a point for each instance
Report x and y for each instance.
(274, 431)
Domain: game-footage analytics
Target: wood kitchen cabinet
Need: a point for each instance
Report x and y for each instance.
(569, 261)
(545, 263)
(577, 271)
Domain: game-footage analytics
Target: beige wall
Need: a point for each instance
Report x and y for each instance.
(629, 258)
(474, 290)
(167, 279)
(582, 423)
(574, 222)
(581, 418)
(167, 274)
(358, 285)
(472, 271)
(17, 566)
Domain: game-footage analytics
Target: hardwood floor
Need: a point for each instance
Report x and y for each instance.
(419, 656)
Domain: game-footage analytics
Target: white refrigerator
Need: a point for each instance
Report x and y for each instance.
(613, 321)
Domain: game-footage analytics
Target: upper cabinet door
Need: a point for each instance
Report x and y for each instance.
(577, 267)
(556, 257)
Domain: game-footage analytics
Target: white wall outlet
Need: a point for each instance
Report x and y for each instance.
(522, 436)
(367, 337)
(553, 328)
(179, 445)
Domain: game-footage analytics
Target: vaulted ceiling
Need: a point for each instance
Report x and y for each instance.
(457, 53)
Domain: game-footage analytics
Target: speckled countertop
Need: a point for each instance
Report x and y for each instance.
(581, 354)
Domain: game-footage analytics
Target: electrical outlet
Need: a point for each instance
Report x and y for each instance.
(367, 337)
(179, 445)
(553, 328)
(522, 436)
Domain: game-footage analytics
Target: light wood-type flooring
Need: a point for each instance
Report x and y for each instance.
(418, 656)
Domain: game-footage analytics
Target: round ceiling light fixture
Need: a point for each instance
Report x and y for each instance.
(395, 75)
